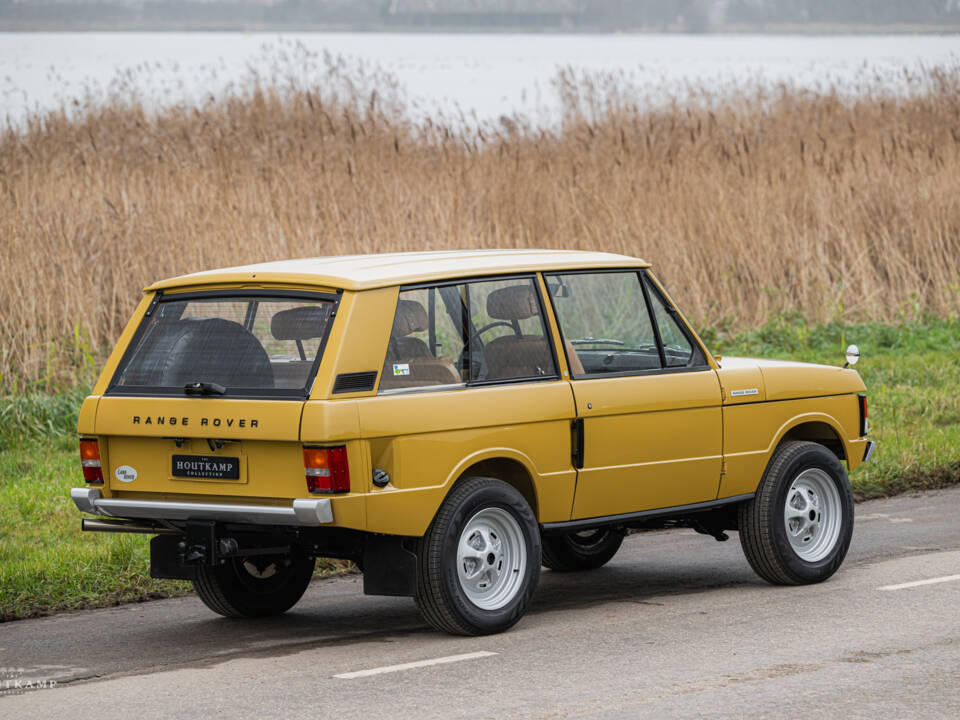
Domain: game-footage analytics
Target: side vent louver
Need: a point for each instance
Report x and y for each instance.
(355, 382)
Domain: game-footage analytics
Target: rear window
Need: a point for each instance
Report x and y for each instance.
(227, 344)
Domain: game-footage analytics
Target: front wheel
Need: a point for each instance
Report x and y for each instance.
(797, 528)
(256, 586)
(479, 560)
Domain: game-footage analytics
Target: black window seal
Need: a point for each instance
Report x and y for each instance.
(214, 294)
(468, 279)
(642, 373)
(431, 320)
(300, 394)
(641, 272)
(641, 278)
(479, 385)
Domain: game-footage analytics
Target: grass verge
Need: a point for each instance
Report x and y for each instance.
(911, 372)
(47, 564)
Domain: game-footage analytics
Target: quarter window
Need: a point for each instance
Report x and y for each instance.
(678, 350)
(427, 341)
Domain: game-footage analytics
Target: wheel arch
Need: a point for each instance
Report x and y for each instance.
(506, 464)
(814, 427)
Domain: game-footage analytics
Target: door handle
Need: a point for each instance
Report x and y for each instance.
(576, 443)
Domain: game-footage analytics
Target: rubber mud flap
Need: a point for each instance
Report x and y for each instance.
(388, 567)
(165, 559)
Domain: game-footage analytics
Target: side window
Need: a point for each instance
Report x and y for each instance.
(604, 322)
(449, 335)
(507, 334)
(426, 345)
(678, 350)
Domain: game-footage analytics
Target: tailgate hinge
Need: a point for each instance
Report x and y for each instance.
(153, 304)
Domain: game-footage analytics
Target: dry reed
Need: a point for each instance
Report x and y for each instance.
(751, 204)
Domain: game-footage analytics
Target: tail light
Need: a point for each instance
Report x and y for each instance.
(326, 469)
(90, 461)
(864, 424)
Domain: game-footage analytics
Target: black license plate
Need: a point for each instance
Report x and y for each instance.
(206, 467)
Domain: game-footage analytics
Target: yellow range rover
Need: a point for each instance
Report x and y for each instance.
(451, 421)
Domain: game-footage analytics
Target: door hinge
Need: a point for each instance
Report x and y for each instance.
(576, 443)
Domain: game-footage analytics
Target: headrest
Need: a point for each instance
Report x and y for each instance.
(516, 302)
(411, 318)
(300, 323)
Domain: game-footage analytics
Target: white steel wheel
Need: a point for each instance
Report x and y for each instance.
(812, 515)
(479, 561)
(797, 528)
(491, 558)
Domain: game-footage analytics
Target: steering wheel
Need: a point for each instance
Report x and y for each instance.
(464, 359)
(497, 323)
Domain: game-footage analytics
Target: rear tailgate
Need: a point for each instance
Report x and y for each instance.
(208, 396)
(201, 446)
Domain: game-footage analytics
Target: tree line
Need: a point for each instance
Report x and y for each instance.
(651, 15)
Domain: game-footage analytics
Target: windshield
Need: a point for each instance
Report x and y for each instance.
(217, 344)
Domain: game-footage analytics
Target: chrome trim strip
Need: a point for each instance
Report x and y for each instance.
(868, 453)
(304, 511)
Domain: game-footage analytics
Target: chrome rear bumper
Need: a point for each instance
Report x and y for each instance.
(304, 511)
(868, 453)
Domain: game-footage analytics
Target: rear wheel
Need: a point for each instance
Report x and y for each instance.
(257, 586)
(583, 550)
(797, 528)
(479, 559)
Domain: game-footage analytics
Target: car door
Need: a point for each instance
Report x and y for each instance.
(648, 429)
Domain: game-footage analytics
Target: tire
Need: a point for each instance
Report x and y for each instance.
(234, 589)
(585, 550)
(797, 528)
(479, 561)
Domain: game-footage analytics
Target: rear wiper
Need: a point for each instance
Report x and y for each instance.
(204, 388)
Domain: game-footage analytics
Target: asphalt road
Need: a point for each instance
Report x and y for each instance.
(676, 625)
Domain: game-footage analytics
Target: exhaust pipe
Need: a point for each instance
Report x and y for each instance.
(124, 526)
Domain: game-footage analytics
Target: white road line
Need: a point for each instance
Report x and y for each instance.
(918, 583)
(417, 664)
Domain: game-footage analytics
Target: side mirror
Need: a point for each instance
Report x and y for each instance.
(853, 356)
(560, 290)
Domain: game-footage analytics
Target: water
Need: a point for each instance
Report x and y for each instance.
(485, 76)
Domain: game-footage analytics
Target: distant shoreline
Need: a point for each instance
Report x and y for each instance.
(246, 27)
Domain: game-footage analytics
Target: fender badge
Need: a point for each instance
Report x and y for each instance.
(741, 393)
(125, 473)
